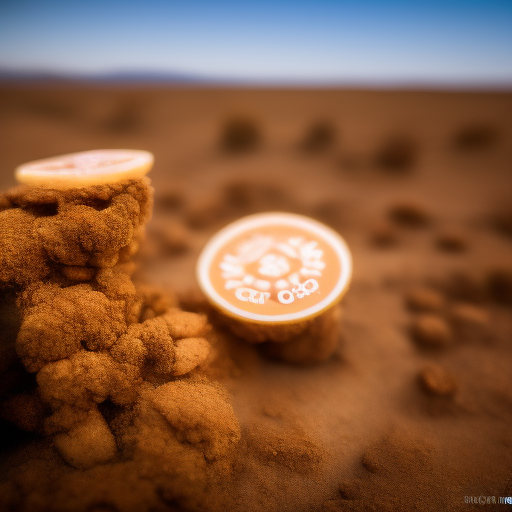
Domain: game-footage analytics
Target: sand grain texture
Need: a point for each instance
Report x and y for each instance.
(404, 415)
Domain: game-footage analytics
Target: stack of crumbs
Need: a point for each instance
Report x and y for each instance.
(119, 374)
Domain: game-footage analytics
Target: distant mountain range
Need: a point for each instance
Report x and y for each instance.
(8, 76)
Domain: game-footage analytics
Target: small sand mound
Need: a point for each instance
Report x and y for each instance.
(437, 381)
(320, 136)
(283, 445)
(409, 214)
(397, 155)
(475, 137)
(431, 331)
(240, 134)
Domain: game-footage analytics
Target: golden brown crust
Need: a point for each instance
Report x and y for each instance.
(98, 343)
(84, 227)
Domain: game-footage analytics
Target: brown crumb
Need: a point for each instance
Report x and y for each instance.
(397, 154)
(240, 134)
(502, 220)
(182, 324)
(431, 331)
(319, 137)
(500, 285)
(452, 241)
(350, 489)
(409, 214)
(475, 137)
(370, 462)
(435, 380)
(423, 298)
(190, 353)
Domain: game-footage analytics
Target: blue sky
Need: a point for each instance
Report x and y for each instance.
(310, 41)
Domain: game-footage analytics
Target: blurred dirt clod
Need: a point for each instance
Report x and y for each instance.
(435, 380)
(383, 234)
(423, 298)
(397, 155)
(240, 134)
(502, 221)
(500, 285)
(431, 331)
(451, 240)
(370, 462)
(409, 214)
(475, 137)
(319, 137)
(350, 489)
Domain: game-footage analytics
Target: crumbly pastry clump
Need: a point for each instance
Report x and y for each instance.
(118, 370)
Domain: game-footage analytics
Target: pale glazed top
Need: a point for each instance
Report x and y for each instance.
(275, 268)
(86, 168)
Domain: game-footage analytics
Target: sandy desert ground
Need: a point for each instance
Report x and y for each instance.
(414, 410)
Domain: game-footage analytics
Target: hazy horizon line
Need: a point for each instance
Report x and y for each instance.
(165, 77)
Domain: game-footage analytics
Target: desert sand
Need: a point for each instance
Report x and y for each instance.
(414, 408)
